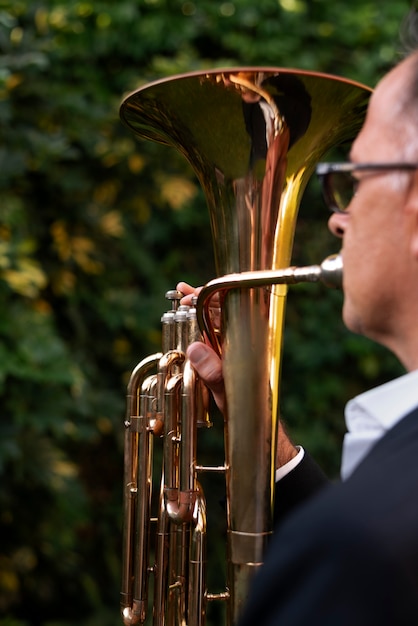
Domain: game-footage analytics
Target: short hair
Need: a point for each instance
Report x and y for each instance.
(409, 42)
(409, 32)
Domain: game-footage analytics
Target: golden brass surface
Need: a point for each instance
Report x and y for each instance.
(253, 137)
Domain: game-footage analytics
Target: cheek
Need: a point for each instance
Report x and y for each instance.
(369, 257)
(376, 221)
(373, 256)
(378, 231)
(366, 256)
(358, 244)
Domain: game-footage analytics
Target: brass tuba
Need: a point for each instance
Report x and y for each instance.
(253, 137)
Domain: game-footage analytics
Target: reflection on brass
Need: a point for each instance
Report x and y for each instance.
(253, 137)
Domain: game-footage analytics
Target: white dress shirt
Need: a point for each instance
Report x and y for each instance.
(368, 417)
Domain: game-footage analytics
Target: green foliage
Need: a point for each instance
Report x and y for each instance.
(95, 227)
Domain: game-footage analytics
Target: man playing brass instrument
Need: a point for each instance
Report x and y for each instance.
(348, 556)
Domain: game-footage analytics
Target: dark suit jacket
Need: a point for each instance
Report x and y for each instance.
(349, 557)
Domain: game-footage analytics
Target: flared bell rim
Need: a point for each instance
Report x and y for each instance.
(213, 71)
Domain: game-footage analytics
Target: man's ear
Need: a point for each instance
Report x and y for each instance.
(412, 210)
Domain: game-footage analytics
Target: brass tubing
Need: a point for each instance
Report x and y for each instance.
(161, 560)
(197, 564)
(143, 505)
(180, 504)
(328, 272)
(171, 448)
(136, 381)
(188, 491)
(253, 137)
(165, 367)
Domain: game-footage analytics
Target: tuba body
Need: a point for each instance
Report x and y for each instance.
(253, 138)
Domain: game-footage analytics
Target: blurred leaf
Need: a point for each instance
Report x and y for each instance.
(95, 227)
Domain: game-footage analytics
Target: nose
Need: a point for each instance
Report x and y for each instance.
(337, 224)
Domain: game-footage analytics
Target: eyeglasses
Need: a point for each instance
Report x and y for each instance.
(339, 186)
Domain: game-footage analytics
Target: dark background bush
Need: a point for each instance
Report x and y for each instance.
(88, 217)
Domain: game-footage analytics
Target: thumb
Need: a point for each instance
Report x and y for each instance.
(209, 368)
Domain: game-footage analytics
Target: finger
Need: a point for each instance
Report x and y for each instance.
(185, 288)
(188, 291)
(209, 368)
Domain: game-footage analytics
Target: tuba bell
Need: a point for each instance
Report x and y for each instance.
(253, 138)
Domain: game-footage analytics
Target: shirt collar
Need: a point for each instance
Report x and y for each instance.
(383, 406)
(371, 414)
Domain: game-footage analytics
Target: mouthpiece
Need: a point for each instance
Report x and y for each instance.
(332, 271)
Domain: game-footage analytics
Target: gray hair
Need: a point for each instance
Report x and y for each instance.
(409, 31)
(409, 42)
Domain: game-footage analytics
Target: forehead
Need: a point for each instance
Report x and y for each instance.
(385, 130)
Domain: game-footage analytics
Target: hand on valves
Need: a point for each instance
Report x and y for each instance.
(209, 368)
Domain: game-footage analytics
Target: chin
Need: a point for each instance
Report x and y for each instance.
(361, 325)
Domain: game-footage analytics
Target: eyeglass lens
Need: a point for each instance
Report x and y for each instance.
(340, 189)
